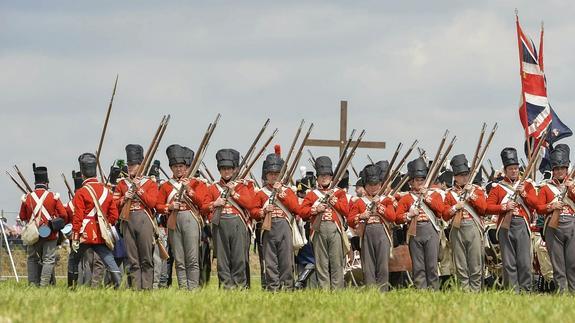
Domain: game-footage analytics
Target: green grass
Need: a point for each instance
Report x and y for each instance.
(20, 303)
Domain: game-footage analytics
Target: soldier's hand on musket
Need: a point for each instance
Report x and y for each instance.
(380, 208)
(129, 194)
(423, 191)
(321, 207)
(174, 206)
(520, 188)
(558, 205)
(511, 205)
(231, 185)
(569, 183)
(468, 188)
(219, 202)
(413, 211)
(137, 180)
(269, 208)
(458, 206)
(277, 186)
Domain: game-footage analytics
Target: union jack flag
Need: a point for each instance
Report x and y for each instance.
(535, 112)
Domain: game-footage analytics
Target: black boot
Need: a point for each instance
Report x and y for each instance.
(72, 280)
(116, 279)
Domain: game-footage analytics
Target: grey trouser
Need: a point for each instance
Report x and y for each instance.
(329, 257)
(232, 244)
(468, 255)
(278, 255)
(98, 271)
(375, 249)
(41, 261)
(139, 240)
(561, 245)
(424, 251)
(160, 265)
(85, 268)
(185, 243)
(515, 245)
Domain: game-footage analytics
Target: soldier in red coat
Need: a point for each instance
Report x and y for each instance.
(371, 215)
(425, 208)
(280, 204)
(557, 195)
(509, 198)
(141, 194)
(184, 221)
(230, 221)
(327, 211)
(43, 207)
(466, 239)
(93, 205)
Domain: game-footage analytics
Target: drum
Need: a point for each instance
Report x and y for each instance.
(44, 231)
(67, 230)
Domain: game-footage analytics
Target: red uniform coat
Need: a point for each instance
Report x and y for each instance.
(147, 190)
(85, 221)
(546, 196)
(477, 200)
(358, 206)
(498, 193)
(434, 201)
(52, 205)
(287, 197)
(244, 196)
(308, 210)
(168, 191)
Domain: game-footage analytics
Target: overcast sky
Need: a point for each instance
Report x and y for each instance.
(408, 69)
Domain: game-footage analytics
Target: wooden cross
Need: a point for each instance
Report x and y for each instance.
(343, 135)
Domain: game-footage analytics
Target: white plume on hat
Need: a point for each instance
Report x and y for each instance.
(302, 171)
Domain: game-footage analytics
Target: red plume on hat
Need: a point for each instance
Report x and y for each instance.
(278, 150)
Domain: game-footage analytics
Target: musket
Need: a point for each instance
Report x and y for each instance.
(506, 222)
(248, 155)
(292, 147)
(125, 212)
(370, 160)
(207, 170)
(99, 150)
(226, 191)
(478, 148)
(373, 204)
(344, 163)
(148, 161)
(392, 173)
(194, 166)
(354, 170)
(17, 184)
(481, 153)
(258, 155)
(312, 158)
(70, 194)
(555, 216)
(395, 154)
(267, 222)
(289, 174)
(345, 148)
(22, 178)
(435, 165)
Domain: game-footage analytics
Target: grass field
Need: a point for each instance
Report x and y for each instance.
(21, 303)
